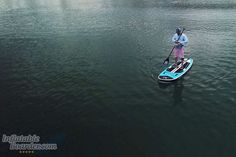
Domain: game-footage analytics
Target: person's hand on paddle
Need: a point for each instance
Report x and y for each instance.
(177, 43)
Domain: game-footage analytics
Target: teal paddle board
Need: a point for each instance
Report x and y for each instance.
(173, 73)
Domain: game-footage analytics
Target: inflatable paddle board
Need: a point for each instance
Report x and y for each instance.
(173, 73)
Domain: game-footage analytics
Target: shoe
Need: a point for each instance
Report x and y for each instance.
(174, 66)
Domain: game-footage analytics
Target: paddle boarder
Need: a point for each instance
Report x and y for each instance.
(180, 40)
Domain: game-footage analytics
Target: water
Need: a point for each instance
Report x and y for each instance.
(79, 74)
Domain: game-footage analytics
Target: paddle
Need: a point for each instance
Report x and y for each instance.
(166, 61)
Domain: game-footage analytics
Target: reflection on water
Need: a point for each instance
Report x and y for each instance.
(177, 88)
(178, 91)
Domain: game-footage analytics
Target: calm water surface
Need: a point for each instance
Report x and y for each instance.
(79, 74)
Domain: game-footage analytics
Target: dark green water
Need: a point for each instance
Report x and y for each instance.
(78, 73)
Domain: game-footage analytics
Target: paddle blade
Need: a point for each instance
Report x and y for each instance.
(166, 62)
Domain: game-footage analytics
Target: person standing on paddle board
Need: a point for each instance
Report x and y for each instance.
(180, 40)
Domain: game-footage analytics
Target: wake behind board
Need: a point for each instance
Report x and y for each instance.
(173, 73)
